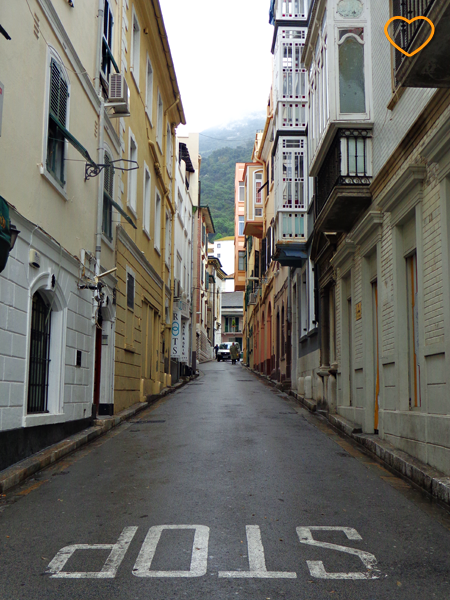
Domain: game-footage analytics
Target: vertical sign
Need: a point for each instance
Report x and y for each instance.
(2, 91)
(176, 334)
(184, 341)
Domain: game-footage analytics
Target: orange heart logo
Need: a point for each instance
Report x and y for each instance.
(409, 21)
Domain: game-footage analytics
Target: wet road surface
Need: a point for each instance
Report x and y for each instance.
(224, 490)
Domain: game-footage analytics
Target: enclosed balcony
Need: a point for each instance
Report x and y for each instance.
(342, 187)
(429, 67)
(290, 238)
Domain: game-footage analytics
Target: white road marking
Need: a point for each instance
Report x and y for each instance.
(317, 569)
(110, 567)
(256, 559)
(199, 558)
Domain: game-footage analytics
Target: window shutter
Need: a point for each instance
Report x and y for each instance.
(59, 93)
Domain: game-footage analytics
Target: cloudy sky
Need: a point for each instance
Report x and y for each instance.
(221, 52)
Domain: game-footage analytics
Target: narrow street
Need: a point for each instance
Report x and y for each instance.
(226, 489)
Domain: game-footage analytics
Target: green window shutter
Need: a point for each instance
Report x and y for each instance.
(226, 324)
(59, 93)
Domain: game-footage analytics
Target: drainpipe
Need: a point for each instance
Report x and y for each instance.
(101, 179)
(98, 56)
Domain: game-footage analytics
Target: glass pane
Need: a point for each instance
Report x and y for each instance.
(360, 167)
(351, 77)
(351, 155)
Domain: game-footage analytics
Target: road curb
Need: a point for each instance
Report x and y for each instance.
(17, 473)
(423, 476)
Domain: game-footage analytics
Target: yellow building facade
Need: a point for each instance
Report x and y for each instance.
(144, 256)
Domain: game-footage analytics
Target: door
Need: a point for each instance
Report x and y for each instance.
(376, 355)
(413, 333)
(350, 349)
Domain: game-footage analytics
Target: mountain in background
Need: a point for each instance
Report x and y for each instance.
(232, 143)
(217, 177)
(231, 135)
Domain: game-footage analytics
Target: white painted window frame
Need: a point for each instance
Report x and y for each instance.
(149, 90)
(147, 200)
(157, 226)
(52, 53)
(159, 122)
(132, 175)
(135, 47)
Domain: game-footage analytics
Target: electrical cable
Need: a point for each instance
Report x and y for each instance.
(49, 46)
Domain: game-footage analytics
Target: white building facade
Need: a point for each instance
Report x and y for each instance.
(382, 227)
(56, 334)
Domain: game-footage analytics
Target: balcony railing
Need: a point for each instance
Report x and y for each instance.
(405, 34)
(348, 163)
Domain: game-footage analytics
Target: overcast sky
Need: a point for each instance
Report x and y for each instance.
(221, 52)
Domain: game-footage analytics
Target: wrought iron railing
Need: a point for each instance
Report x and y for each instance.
(403, 33)
(348, 162)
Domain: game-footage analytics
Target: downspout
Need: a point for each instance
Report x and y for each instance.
(101, 179)
(101, 141)
(172, 241)
(98, 56)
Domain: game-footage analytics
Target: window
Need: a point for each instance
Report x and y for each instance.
(241, 191)
(241, 260)
(108, 195)
(258, 186)
(107, 41)
(135, 48)
(218, 256)
(132, 175)
(241, 225)
(58, 115)
(293, 76)
(219, 245)
(293, 177)
(130, 291)
(157, 232)
(149, 91)
(39, 355)
(293, 115)
(147, 199)
(168, 240)
(160, 122)
(351, 71)
(169, 150)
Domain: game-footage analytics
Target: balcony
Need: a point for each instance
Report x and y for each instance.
(429, 67)
(342, 191)
(290, 238)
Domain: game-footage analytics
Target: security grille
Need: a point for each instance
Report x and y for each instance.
(39, 355)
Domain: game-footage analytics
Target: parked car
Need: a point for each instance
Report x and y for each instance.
(223, 353)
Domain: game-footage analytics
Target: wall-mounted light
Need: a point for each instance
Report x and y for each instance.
(14, 233)
(71, 4)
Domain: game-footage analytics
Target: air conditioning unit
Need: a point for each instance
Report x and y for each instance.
(252, 298)
(119, 94)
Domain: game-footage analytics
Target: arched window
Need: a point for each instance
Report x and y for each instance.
(58, 119)
(39, 355)
(352, 95)
(108, 195)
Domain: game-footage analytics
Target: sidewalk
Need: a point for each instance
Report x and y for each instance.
(415, 471)
(17, 473)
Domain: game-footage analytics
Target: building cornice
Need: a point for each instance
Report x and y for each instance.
(368, 232)
(343, 257)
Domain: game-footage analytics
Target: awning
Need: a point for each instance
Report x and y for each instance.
(123, 213)
(72, 140)
(290, 255)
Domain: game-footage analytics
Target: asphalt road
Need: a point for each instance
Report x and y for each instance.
(224, 490)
